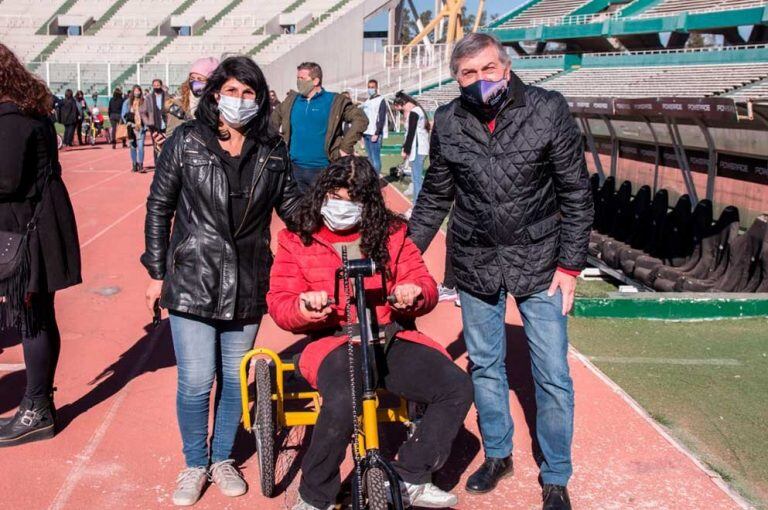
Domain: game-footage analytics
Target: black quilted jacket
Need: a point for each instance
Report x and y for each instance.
(521, 196)
(198, 261)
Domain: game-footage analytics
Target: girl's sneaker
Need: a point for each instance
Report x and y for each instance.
(446, 294)
(228, 479)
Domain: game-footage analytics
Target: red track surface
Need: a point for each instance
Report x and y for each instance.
(120, 446)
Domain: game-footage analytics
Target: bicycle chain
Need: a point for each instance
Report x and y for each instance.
(352, 379)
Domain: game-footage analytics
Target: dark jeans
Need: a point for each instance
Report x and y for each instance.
(114, 121)
(413, 371)
(305, 177)
(79, 131)
(69, 134)
(41, 350)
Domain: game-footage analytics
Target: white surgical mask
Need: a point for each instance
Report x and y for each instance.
(340, 215)
(237, 111)
(371, 92)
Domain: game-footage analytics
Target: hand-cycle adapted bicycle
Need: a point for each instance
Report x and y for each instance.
(374, 482)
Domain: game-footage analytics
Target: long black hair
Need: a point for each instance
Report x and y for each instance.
(357, 175)
(244, 70)
(401, 98)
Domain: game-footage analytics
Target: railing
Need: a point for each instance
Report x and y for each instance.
(579, 19)
(649, 15)
(682, 50)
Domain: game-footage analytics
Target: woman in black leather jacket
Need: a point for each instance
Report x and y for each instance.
(217, 181)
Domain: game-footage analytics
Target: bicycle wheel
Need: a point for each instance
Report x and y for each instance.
(264, 428)
(375, 489)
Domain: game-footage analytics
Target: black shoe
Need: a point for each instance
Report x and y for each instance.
(488, 475)
(141, 168)
(555, 497)
(34, 421)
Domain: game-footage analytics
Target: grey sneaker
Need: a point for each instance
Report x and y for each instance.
(446, 293)
(189, 486)
(303, 505)
(425, 495)
(228, 479)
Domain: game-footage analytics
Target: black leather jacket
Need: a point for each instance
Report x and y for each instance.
(198, 261)
(523, 203)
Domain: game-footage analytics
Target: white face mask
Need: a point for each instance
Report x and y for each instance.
(237, 112)
(340, 215)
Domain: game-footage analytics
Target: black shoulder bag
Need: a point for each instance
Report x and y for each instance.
(15, 267)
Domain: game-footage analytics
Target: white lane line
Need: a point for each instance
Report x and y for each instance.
(716, 478)
(84, 457)
(112, 225)
(96, 184)
(11, 367)
(667, 361)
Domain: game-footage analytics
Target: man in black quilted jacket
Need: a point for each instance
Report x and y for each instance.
(509, 157)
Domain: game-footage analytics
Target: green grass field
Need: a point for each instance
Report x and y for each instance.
(717, 404)
(706, 382)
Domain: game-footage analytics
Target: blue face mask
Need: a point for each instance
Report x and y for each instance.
(486, 97)
(196, 87)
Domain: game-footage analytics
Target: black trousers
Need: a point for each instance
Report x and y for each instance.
(79, 131)
(69, 134)
(415, 372)
(114, 121)
(41, 349)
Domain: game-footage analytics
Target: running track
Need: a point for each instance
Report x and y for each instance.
(120, 447)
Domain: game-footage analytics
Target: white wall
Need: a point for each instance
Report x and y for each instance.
(338, 48)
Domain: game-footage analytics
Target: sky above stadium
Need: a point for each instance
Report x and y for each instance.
(491, 6)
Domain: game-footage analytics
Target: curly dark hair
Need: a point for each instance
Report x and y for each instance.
(22, 88)
(357, 175)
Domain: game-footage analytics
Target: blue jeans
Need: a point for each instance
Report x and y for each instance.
(207, 350)
(137, 147)
(546, 329)
(373, 149)
(305, 177)
(417, 175)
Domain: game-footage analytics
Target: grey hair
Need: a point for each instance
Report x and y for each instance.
(472, 44)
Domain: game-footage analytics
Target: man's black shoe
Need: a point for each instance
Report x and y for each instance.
(488, 475)
(34, 421)
(555, 497)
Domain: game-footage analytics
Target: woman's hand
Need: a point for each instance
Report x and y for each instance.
(406, 295)
(153, 293)
(315, 306)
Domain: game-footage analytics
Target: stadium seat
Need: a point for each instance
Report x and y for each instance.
(741, 266)
(687, 245)
(620, 219)
(710, 256)
(644, 230)
(763, 287)
(641, 209)
(657, 240)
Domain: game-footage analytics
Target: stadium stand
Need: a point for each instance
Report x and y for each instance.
(545, 9)
(675, 7)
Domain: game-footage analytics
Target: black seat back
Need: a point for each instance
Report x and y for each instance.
(674, 243)
(743, 257)
(622, 212)
(604, 205)
(645, 226)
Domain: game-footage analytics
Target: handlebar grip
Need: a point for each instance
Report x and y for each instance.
(330, 302)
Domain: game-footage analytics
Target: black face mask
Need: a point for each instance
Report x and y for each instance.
(158, 90)
(486, 97)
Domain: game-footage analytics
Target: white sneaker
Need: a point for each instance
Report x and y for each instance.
(228, 479)
(458, 301)
(425, 495)
(446, 294)
(189, 486)
(407, 214)
(303, 505)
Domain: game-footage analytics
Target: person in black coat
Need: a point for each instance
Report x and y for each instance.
(69, 115)
(30, 178)
(115, 110)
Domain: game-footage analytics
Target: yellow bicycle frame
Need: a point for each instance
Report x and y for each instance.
(371, 416)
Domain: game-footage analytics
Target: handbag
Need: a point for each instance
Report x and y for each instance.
(15, 264)
(121, 132)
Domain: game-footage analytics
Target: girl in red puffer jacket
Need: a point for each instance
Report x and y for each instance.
(345, 208)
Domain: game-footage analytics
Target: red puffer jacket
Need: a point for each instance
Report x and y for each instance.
(299, 268)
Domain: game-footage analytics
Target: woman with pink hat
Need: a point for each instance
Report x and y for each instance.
(182, 108)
